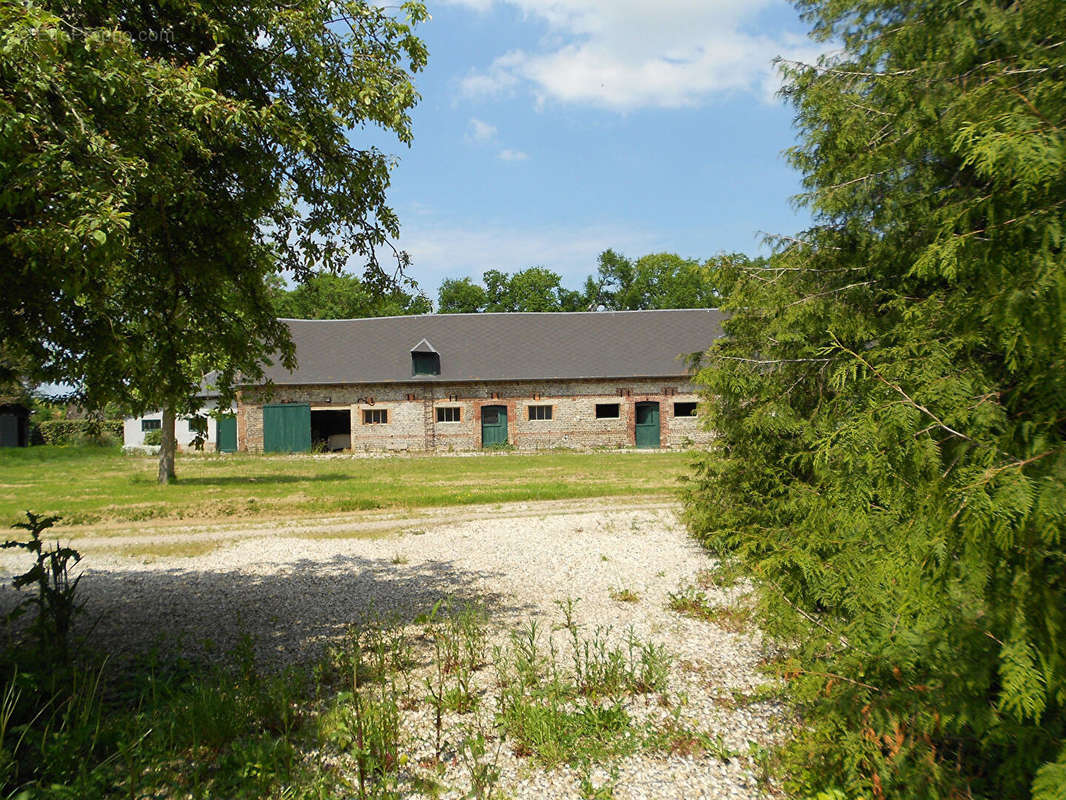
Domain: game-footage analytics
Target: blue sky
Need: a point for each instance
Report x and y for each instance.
(549, 130)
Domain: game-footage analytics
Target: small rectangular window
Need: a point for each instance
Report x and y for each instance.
(375, 416)
(607, 410)
(425, 363)
(540, 412)
(151, 424)
(684, 409)
(448, 414)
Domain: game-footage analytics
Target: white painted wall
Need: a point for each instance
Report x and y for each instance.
(133, 436)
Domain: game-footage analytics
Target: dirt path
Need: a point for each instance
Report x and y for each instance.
(169, 536)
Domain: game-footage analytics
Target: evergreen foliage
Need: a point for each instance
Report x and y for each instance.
(891, 400)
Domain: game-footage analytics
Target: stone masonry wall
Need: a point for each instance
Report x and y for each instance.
(412, 416)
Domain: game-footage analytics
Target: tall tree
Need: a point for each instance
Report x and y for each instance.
(532, 289)
(535, 289)
(461, 296)
(344, 296)
(657, 280)
(891, 397)
(161, 160)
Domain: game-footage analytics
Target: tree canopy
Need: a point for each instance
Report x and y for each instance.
(161, 161)
(344, 296)
(461, 296)
(657, 280)
(891, 399)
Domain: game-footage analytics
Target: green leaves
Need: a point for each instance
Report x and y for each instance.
(161, 162)
(1050, 781)
(890, 402)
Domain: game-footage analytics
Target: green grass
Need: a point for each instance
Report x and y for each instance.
(175, 729)
(736, 617)
(89, 485)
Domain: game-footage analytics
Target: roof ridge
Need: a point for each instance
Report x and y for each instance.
(505, 314)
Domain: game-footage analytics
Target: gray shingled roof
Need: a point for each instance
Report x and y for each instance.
(500, 347)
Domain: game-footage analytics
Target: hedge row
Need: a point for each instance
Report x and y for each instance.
(75, 431)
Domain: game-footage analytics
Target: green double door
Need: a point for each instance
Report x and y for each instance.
(647, 425)
(493, 425)
(226, 433)
(287, 428)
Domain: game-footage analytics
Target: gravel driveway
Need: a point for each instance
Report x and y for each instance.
(294, 593)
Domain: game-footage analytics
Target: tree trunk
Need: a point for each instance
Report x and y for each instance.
(169, 444)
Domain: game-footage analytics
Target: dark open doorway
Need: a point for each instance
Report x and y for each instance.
(331, 430)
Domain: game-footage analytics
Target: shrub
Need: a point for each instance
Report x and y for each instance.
(153, 437)
(891, 460)
(80, 431)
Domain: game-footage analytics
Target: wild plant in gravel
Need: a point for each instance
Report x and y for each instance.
(526, 654)
(622, 594)
(375, 650)
(56, 600)
(365, 719)
(544, 723)
(548, 714)
(677, 738)
(435, 686)
(589, 790)
(459, 640)
(605, 670)
(648, 665)
(469, 626)
(734, 617)
(480, 750)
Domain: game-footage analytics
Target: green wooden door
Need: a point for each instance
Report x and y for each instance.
(226, 433)
(647, 427)
(287, 428)
(493, 425)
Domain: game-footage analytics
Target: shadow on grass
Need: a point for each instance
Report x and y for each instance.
(291, 614)
(257, 480)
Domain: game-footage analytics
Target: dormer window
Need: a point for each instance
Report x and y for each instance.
(425, 360)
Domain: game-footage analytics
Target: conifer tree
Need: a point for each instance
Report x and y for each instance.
(891, 404)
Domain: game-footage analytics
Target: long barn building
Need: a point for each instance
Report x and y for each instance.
(473, 381)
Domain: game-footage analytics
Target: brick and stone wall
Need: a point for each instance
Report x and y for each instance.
(412, 416)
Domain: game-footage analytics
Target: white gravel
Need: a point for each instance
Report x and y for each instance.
(294, 594)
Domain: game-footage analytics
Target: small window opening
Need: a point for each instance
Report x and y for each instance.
(151, 424)
(540, 412)
(607, 410)
(375, 416)
(684, 409)
(448, 414)
(425, 363)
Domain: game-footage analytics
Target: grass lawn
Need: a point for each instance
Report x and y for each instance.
(87, 485)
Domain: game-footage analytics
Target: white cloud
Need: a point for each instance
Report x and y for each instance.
(481, 131)
(629, 54)
(511, 155)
